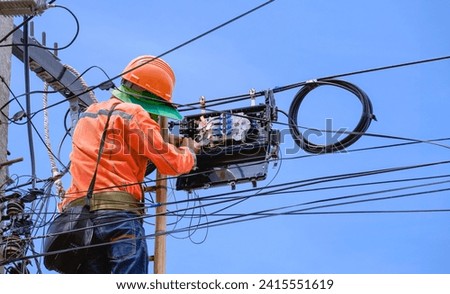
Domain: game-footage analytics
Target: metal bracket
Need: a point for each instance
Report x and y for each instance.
(49, 68)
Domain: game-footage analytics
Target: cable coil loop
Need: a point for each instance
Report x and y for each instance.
(363, 124)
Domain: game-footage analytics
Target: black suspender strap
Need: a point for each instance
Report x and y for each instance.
(90, 191)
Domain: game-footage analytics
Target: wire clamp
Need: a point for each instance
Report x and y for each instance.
(202, 102)
(252, 93)
(312, 81)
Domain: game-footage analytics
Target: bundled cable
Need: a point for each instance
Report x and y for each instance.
(363, 124)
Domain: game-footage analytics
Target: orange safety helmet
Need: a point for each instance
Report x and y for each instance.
(152, 74)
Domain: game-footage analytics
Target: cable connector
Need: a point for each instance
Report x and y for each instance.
(56, 174)
(107, 85)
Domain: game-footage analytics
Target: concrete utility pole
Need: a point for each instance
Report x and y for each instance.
(159, 266)
(6, 25)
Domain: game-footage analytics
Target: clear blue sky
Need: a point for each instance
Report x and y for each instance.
(285, 42)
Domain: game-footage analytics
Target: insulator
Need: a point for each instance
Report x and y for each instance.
(12, 247)
(14, 207)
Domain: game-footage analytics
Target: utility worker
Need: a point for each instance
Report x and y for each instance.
(133, 139)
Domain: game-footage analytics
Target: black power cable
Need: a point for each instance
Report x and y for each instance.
(363, 124)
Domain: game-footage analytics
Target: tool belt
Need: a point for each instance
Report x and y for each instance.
(110, 200)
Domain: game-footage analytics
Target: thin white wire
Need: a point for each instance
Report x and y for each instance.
(82, 81)
(55, 171)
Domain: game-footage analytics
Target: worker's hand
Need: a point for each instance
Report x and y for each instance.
(191, 144)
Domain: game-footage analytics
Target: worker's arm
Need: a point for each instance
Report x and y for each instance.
(146, 139)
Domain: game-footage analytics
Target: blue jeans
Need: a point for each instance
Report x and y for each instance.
(129, 255)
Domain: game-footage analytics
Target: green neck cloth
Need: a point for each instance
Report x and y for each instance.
(150, 102)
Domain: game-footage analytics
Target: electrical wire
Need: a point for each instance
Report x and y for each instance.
(190, 106)
(25, 23)
(234, 218)
(54, 168)
(358, 195)
(80, 76)
(28, 101)
(149, 181)
(232, 99)
(198, 37)
(355, 135)
(372, 183)
(298, 183)
(244, 217)
(216, 224)
(173, 49)
(29, 120)
(26, 20)
(287, 186)
(278, 89)
(363, 124)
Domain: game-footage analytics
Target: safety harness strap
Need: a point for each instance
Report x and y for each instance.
(111, 200)
(100, 151)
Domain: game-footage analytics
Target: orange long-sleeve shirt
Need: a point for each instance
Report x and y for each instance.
(133, 139)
